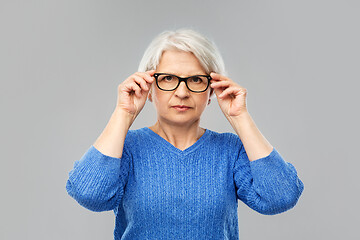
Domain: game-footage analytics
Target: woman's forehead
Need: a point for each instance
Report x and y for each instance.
(185, 74)
(180, 63)
(181, 71)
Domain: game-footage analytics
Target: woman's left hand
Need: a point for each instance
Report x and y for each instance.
(230, 96)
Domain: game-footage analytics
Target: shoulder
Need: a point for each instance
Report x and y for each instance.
(228, 138)
(226, 144)
(135, 140)
(134, 136)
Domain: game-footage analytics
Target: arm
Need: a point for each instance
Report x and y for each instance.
(111, 140)
(255, 143)
(264, 181)
(97, 180)
(268, 185)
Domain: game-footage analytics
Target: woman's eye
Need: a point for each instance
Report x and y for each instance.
(168, 78)
(196, 79)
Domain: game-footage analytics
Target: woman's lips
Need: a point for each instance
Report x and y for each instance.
(181, 108)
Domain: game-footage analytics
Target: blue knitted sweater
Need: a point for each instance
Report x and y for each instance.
(158, 191)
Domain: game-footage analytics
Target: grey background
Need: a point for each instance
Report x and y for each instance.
(61, 63)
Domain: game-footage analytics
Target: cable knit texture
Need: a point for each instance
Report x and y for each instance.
(158, 191)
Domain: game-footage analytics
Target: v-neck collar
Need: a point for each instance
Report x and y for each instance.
(171, 147)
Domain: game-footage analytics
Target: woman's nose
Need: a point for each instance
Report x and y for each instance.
(182, 91)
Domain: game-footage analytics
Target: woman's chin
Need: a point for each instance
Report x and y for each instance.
(180, 120)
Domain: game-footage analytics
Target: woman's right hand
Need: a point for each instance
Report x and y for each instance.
(132, 92)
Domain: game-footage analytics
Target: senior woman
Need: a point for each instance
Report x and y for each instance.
(175, 179)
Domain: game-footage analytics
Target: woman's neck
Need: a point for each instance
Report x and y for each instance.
(180, 136)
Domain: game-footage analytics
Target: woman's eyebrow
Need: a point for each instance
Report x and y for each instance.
(187, 75)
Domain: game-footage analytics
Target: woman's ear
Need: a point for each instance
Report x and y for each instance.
(211, 92)
(210, 95)
(149, 95)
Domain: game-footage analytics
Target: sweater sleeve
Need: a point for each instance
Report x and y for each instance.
(97, 181)
(268, 185)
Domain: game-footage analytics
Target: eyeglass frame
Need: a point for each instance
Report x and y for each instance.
(156, 75)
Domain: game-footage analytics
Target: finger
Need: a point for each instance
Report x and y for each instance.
(217, 77)
(133, 87)
(151, 72)
(138, 92)
(140, 80)
(220, 84)
(147, 76)
(224, 83)
(230, 91)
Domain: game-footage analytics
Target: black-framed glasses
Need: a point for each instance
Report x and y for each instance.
(169, 82)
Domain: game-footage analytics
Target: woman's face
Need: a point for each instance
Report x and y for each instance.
(182, 64)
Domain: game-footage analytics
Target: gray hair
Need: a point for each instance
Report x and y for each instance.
(187, 40)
